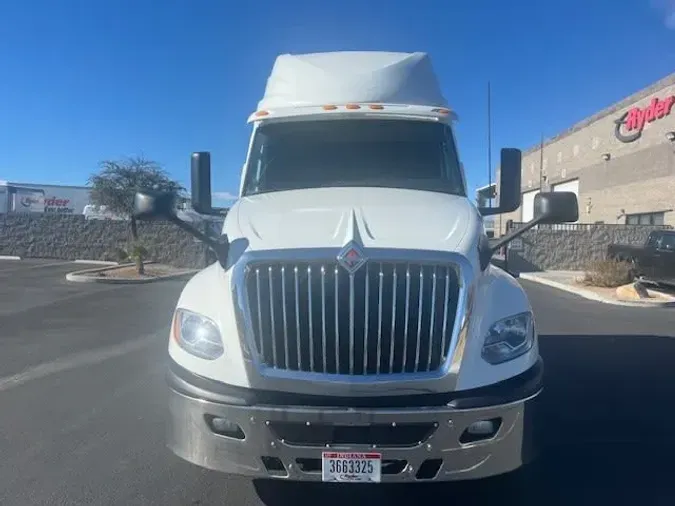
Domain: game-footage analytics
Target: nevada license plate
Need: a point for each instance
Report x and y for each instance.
(351, 467)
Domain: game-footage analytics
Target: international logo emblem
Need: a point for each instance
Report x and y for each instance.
(352, 258)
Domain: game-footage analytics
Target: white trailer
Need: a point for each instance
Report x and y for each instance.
(56, 199)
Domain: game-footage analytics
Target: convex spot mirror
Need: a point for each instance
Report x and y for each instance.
(556, 207)
(150, 205)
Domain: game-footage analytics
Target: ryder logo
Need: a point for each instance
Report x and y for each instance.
(631, 123)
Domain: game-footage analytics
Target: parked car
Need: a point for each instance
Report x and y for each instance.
(654, 260)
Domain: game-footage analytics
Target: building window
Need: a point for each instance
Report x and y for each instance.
(645, 219)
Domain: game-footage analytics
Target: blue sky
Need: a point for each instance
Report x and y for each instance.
(88, 80)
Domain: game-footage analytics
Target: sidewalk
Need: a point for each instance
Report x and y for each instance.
(567, 281)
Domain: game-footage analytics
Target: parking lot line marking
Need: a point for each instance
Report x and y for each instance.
(77, 360)
(53, 264)
(17, 267)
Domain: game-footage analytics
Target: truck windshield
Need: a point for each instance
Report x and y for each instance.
(364, 152)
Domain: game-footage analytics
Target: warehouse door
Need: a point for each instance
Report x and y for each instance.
(568, 186)
(528, 206)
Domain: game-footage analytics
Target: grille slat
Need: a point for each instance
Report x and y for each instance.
(393, 319)
(324, 350)
(358, 324)
(418, 339)
(311, 327)
(378, 357)
(433, 316)
(284, 311)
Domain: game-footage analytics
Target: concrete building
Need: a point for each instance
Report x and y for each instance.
(620, 162)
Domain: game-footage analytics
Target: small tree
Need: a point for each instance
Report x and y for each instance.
(116, 183)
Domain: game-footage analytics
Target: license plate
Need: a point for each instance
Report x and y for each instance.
(351, 467)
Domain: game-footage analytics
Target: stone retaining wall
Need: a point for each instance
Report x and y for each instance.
(570, 247)
(73, 237)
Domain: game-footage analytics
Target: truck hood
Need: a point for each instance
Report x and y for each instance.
(331, 217)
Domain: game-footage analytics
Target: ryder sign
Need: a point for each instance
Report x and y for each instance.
(631, 123)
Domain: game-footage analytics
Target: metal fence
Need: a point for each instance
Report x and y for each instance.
(512, 225)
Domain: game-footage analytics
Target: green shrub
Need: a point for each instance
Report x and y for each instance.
(136, 252)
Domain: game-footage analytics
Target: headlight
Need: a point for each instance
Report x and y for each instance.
(508, 338)
(197, 334)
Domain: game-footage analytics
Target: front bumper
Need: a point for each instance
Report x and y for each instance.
(424, 441)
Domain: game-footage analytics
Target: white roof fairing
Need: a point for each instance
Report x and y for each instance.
(352, 77)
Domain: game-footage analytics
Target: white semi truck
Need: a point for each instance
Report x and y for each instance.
(353, 328)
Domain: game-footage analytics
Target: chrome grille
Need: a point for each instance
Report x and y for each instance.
(387, 318)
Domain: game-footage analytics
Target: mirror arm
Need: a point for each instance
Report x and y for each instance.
(220, 247)
(216, 211)
(497, 245)
(490, 211)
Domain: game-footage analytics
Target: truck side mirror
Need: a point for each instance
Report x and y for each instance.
(509, 183)
(201, 182)
(556, 207)
(149, 205)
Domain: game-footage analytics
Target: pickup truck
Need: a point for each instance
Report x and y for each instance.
(353, 328)
(654, 260)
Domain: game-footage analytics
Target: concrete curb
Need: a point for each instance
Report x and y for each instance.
(9, 257)
(587, 294)
(94, 262)
(84, 277)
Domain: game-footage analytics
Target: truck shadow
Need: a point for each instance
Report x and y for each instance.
(608, 427)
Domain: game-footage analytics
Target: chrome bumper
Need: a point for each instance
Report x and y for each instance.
(266, 452)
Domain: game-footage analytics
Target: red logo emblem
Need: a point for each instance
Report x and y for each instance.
(352, 258)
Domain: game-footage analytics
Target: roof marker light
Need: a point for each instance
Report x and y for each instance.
(441, 111)
(262, 113)
(352, 106)
(376, 107)
(329, 107)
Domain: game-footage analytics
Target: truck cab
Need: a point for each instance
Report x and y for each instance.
(353, 328)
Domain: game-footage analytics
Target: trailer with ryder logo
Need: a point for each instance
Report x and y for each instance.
(43, 198)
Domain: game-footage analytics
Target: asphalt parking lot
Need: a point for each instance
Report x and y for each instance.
(82, 402)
